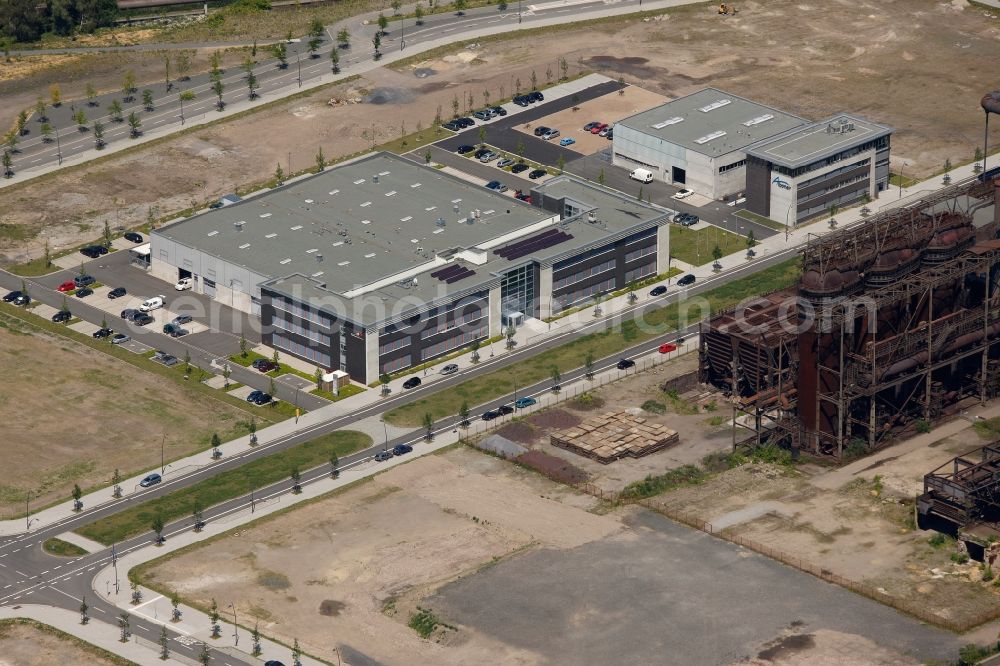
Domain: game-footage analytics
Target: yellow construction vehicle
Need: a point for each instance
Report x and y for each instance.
(727, 9)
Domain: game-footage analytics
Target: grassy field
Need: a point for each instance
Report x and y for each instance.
(62, 548)
(695, 246)
(760, 219)
(570, 356)
(225, 486)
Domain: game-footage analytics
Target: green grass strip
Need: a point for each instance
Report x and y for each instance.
(62, 548)
(225, 486)
(571, 355)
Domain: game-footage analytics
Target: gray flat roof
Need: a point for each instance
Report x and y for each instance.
(804, 145)
(380, 242)
(712, 122)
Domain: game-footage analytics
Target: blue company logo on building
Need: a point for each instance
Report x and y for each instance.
(783, 184)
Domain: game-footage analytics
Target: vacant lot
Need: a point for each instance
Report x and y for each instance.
(884, 60)
(73, 415)
(24, 644)
(497, 565)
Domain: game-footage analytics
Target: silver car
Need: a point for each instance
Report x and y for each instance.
(120, 338)
(449, 369)
(488, 157)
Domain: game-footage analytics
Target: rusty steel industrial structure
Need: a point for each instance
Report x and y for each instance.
(895, 323)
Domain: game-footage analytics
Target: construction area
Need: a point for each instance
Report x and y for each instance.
(614, 435)
(892, 328)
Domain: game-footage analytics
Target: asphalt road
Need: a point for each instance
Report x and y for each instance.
(167, 111)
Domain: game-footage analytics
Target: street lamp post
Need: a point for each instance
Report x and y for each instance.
(519, 11)
(402, 33)
(27, 511)
(181, 98)
(236, 633)
(163, 467)
(58, 147)
(385, 429)
(298, 63)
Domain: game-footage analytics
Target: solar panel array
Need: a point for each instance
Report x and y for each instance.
(452, 273)
(533, 244)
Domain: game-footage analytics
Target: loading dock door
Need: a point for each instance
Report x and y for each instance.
(678, 175)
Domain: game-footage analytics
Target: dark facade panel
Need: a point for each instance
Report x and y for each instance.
(857, 189)
(758, 189)
(354, 339)
(835, 181)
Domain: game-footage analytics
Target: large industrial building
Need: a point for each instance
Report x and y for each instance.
(895, 322)
(384, 263)
(725, 147)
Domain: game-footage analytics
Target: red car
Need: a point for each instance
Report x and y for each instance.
(667, 347)
(67, 286)
(597, 130)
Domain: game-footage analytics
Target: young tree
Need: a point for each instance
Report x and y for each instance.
(213, 617)
(8, 164)
(486, 97)
(46, 132)
(316, 28)
(977, 158)
(556, 379)
(187, 362)
(128, 85)
(428, 425)
(10, 140)
(383, 379)
(40, 110)
(296, 653)
(751, 239)
(463, 414)
(166, 72)
(164, 645)
(182, 59)
(517, 86)
(271, 387)
(80, 118)
(460, 6)
(218, 89)
(548, 75)
(588, 365)
(91, 95)
(216, 444)
(197, 515)
(428, 156)
(226, 374)
(204, 656)
(455, 104)
(474, 348)
(601, 177)
(244, 344)
(77, 494)
(335, 61)
(185, 96)
(482, 136)
(510, 333)
(314, 44)
(281, 53)
(334, 464)
(561, 163)
(55, 95)
(123, 626)
(175, 604)
(279, 175)
(275, 357)
(98, 134)
(383, 22)
(296, 478)
(520, 150)
(563, 67)
(252, 85)
(115, 110)
(418, 14)
(717, 253)
(344, 39)
(116, 483)
(147, 99)
(47, 258)
(157, 527)
(255, 641)
(377, 43)
(134, 124)
(320, 166)
(216, 62)
(534, 80)
(395, 4)
(84, 608)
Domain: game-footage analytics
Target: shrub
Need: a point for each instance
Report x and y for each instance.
(654, 485)
(857, 448)
(959, 558)
(654, 407)
(939, 540)
(923, 426)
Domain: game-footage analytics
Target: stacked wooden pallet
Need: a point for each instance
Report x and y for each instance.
(613, 435)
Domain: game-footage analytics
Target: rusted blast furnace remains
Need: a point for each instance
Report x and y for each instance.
(893, 322)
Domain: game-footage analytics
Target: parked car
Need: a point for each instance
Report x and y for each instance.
(482, 151)
(117, 292)
(496, 186)
(465, 122)
(151, 480)
(522, 403)
(519, 167)
(21, 299)
(184, 284)
(265, 365)
(536, 96)
(499, 111)
(257, 362)
(11, 297)
(400, 449)
(567, 141)
(133, 236)
(153, 303)
(591, 125)
(686, 280)
(610, 134)
(83, 280)
(667, 347)
(102, 333)
(658, 291)
(263, 399)
(551, 134)
(273, 662)
(523, 196)
(537, 173)
(683, 194)
(129, 314)
(412, 382)
(449, 369)
(90, 251)
(503, 410)
(384, 455)
(541, 129)
(606, 130)
(489, 415)
(522, 100)
(142, 319)
(598, 128)
(169, 328)
(483, 114)
(451, 125)
(253, 395)
(169, 360)
(179, 332)
(182, 319)
(488, 156)
(84, 292)
(463, 149)
(505, 162)
(120, 338)
(62, 316)
(65, 286)
(625, 364)
(688, 220)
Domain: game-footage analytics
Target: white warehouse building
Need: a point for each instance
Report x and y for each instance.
(698, 141)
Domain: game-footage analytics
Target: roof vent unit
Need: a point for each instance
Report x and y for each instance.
(759, 119)
(592, 216)
(440, 222)
(710, 137)
(455, 207)
(715, 105)
(471, 217)
(668, 121)
(375, 178)
(319, 258)
(479, 214)
(239, 225)
(840, 126)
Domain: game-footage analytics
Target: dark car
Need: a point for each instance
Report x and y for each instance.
(519, 167)
(151, 480)
(257, 362)
(216, 204)
(400, 449)
(522, 100)
(658, 291)
(142, 319)
(179, 332)
(496, 186)
(91, 251)
(686, 280)
(454, 127)
(273, 662)
(262, 399)
(117, 292)
(254, 395)
(169, 328)
(541, 129)
(503, 410)
(182, 319)
(83, 280)
(498, 111)
(524, 403)
(22, 299)
(489, 415)
(690, 220)
(625, 364)
(382, 456)
(169, 360)
(465, 149)
(482, 151)
(133, 236)
(103, 333)
(465, 122)
(84, 292)
(265, 365)
(128, 314)
(591, 125)
(12, 296)
(537, 173)
(412, 382)
(536, 96)
(61, 316)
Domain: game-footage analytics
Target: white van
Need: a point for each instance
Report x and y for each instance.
(153, 303)
(642, 175)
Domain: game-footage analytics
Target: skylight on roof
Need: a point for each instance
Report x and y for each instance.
(244, 246)
(489, 212)
(285, 261)
(369, 255)
(715, 105)
(266, 214)
(359, 181)
(710, 137)
(383, 173)
(366, 204)
(430, 208)
(759, 119)
(308, 200)
(668, 121)
(270, 235)
(333, 192)
(296, 227)
(456, 201)
(366, 221)
(390, 193)
(406, 219)
(437, 231)
(415, 185)
(212, 233)
(312, 249)
(337, 244)
(343, 263)
(414, 240)
(317, 273)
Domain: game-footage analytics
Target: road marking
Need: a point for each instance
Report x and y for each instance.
(68, 595)
(58, 566)
(6, 586)
(146, 603)
(20, 573)
(44, 572)
(141, 627)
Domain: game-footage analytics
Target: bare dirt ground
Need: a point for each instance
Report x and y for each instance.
(862, 529)
(25, 645)
(57, 402)
(892, 61)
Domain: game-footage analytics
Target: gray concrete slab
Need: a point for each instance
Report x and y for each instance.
(663, 593)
